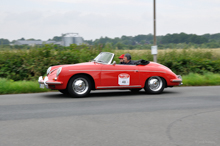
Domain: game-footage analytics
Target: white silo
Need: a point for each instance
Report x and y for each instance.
(71, 38)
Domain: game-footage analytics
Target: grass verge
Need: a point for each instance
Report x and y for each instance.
(208, 79)
(14, 87)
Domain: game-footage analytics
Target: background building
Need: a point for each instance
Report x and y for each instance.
(65, 40)
(34, 42)
(71, 38)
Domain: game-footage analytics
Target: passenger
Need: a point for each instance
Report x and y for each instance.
(121, 59)
(127, 59)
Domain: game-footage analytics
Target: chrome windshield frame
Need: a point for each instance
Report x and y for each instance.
(102, 62)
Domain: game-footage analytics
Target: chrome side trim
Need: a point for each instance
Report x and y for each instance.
(104, 70)
(151, 71)
(122, 70)
(117, 70)
(109, 87)
(84, 70)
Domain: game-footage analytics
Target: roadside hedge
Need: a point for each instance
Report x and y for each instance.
(29, 64)
(191, 61)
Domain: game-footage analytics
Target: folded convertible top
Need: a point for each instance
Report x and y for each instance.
(141, 62)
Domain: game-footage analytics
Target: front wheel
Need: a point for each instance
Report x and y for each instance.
(79, 86)
(154, 85)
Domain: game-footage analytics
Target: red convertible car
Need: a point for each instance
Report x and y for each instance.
(101, 73)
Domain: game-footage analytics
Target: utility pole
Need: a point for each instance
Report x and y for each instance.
(155, 39)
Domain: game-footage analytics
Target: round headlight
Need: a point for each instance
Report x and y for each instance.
(59, 71)
(48, 70)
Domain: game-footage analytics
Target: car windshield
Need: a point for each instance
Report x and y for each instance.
(104, 57)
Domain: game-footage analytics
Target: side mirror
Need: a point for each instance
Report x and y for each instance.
(114, 62)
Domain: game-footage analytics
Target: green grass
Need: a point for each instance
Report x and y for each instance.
(208, 79)
(14, 87)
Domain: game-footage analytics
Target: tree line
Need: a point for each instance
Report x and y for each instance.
(131, 42)
(167, 39)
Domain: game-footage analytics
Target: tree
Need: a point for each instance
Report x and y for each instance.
(119, 45)
(57, 38)
(183, 38)
(22, 39)
(4, 41)
(31, 39)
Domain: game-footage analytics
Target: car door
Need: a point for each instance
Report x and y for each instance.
(119, 75)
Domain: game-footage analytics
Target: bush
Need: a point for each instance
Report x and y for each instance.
(190, 60)
(29, 64)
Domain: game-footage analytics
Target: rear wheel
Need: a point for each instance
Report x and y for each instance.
(154, 85)
(79, 86)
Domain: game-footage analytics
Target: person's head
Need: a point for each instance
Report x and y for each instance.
(121, 57)
(127, 58)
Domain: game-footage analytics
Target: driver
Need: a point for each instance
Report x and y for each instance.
(127, 59)
(121, 59)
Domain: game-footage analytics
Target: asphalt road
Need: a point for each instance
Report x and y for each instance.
(180, 116)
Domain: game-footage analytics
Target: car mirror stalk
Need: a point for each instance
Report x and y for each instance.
(114, 62)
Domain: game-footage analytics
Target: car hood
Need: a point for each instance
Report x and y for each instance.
(77, 64)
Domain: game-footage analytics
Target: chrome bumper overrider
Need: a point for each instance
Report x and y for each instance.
(44, 82)
(179, 80)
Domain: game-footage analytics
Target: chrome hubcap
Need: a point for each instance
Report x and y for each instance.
(155, 83)
(80, 86)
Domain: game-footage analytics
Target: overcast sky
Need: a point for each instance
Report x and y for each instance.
(92, 19)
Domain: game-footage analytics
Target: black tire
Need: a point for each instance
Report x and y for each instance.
(64, 91)
(79, 86)
(136, 90)
(154, 85)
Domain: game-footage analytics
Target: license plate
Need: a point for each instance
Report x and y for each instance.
(42, 86)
